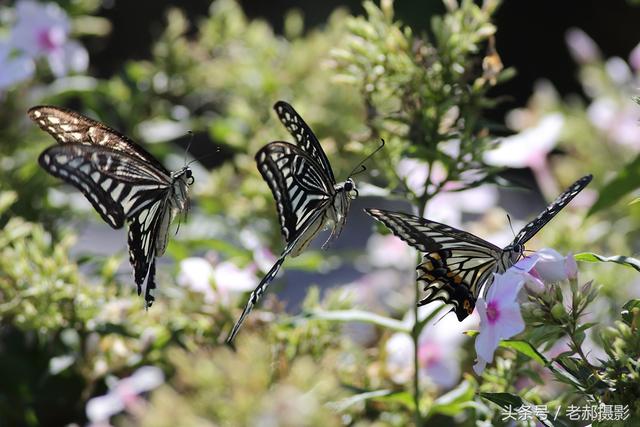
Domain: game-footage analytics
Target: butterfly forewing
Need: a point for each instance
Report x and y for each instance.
(69, 127)
(305, 138)
(529, 230)
(298, 184)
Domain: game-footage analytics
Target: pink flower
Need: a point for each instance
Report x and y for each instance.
(543, 267)
(582, 47)
(42, 30)
(500, 316)
(123, 395)
(13, 68)
(439, 350)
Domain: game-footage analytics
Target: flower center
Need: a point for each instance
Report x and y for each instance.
(50, 38)
(429, 354)
(493, 312)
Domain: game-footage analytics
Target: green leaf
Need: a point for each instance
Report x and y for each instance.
(618, 259)
(453, 402)
(625, 182)
(627, 310)
(359, 316)
(525, 348)
(504, 400)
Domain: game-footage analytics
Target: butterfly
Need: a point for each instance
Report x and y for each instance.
(456, 264)
(308, 199)
(123, 182)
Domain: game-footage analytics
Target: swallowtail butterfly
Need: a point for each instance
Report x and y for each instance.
(308, 199)
(123, 182)
(457, 264)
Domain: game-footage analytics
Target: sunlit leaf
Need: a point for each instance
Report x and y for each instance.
(618, 259)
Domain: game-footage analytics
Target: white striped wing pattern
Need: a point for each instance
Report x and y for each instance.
(123, 182)
(305, 191)
(457, 265)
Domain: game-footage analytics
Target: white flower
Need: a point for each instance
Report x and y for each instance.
(13, 68)
(42, 30)
(216, 282)
(124, 394)
(390, 251)
(449, 206)
(552, 267)
(500, 316)
(197, 274)
(530, 147)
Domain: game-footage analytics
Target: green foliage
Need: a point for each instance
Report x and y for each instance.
(424, 97)
(71, 324)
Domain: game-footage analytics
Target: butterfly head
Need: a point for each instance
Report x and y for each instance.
(515, 251)
(185, 175)
(349, 187)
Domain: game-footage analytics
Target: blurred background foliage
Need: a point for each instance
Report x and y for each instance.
(71, 328)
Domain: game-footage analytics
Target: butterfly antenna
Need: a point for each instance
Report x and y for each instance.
(511, 225)
(218, 149)
(361, 164)
(188, 146)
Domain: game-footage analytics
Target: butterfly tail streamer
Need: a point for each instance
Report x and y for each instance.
(256, 295)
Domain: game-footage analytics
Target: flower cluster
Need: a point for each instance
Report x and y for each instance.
(499, 310)
(40, 31)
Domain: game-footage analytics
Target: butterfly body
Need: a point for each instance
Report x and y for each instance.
(123, 182)
(308, 198)
(456, 265)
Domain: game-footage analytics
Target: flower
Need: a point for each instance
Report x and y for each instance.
(390, 251)
(582, 47)
(545, 266)
(13, 68)
(500, 316)
(530, 147)
(42, 30)
(439, 350)
(124, 394)
(216, 282)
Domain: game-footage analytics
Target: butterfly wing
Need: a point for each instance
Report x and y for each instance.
(298, 184)
(305, 138)
(120, 188)
(148, 233)
(314, 223)
(529, 230)
(303, 194)
(69, 127)
(455, 264)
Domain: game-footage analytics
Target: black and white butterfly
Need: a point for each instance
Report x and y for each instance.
(308, 199)
(123, 182)
(457, 264)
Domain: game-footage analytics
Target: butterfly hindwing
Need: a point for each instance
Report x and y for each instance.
(455, 263)
(268, 278)
(529, 230)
